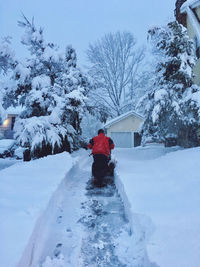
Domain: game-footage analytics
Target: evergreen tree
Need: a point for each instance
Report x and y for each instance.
(167, 110)
(52, 91)
(7, 55)
(7, 63)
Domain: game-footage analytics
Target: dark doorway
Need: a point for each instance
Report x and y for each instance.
(137, 139)
(12, 123)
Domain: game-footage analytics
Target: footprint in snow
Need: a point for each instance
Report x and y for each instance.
(57, 250)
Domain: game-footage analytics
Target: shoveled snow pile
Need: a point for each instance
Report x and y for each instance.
(25, 190)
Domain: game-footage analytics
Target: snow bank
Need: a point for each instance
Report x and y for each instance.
(6, 144)
(5, 163)
(25, 190)
(57, 227)
(161, 195)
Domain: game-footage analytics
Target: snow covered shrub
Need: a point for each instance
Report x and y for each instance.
(52, 91)
(42, 137)
(171, 109)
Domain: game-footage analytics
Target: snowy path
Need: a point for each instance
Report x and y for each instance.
(104, 221)
(57, 237)
(83, 226)
(50, 217)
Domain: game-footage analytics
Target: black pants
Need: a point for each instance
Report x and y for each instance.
(99, 167)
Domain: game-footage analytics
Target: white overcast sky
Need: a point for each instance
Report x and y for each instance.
(80, 22)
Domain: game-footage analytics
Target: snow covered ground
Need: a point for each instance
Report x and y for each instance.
(6, 144)
(5, 163)
(43, 202)
(165, 188)
(84, 226)
(25, 190)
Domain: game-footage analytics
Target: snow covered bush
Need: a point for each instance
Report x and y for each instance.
(52, 91)
(38, 134)
(172, 105)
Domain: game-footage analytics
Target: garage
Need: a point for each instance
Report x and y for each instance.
(122, 139)
(124, 130)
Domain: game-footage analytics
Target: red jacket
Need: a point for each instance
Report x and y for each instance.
(101, 144)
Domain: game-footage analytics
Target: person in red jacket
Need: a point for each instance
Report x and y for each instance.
(101, 146)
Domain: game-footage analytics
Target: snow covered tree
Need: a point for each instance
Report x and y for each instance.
(171, 110)
(114, 63)
(7, 63)
(2, 110)
(90, 124)
(52, 91)
(7, 55)
(189, 132)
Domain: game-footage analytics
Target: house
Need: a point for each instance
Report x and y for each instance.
(188, 14)
(6, 129)
(124, 130)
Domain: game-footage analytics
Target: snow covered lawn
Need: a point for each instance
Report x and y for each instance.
(25, 190)
(165, 188)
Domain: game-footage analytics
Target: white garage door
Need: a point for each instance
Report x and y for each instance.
(122, 139)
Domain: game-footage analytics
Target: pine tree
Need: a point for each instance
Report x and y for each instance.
(7, 63)
(7, 55)
(52, 91)
(166, 110)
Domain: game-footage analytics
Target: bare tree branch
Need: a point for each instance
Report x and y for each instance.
(114, 64)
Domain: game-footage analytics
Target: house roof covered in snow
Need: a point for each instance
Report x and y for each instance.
(190, 3)
(187, 8)
(121, 117)
(14, 110)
